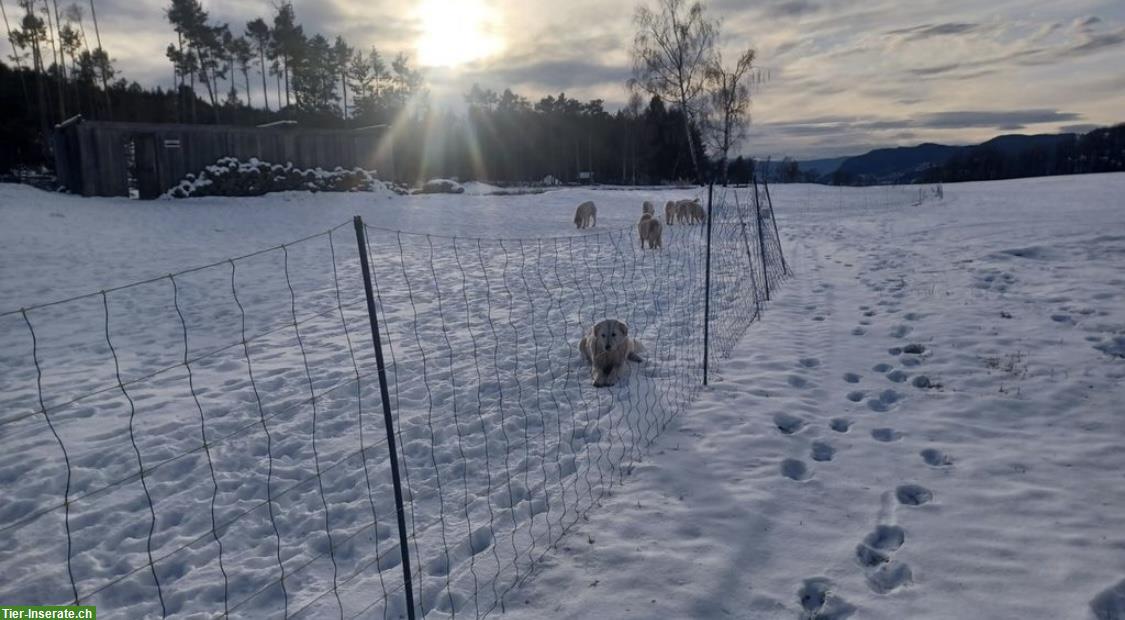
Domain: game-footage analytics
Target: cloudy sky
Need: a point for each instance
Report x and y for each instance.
(844, 77)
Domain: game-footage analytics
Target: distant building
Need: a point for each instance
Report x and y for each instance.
(99, 158)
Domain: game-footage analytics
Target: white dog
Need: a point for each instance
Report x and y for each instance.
(586, 215)
(689, 211)
(670, 212)
(607, 347)
(697, 213)
(650, 230)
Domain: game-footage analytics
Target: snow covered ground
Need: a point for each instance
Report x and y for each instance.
(816, 480)
(819, 475)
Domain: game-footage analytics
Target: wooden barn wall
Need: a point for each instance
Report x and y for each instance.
(91, 157)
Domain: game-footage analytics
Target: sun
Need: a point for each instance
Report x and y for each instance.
(455, 32)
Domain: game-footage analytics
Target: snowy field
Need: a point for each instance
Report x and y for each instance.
(265, 487)
(827, 472)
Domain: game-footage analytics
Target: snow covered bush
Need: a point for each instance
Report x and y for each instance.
(231, 177)
(440, 186)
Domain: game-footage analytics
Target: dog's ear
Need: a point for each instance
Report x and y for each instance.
(624, 327)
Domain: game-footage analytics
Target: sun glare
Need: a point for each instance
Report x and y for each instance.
(455, 32)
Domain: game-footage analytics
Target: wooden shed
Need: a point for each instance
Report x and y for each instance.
(98, 158)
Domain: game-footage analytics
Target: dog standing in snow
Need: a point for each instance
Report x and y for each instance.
(647, 207)
(650, 231)
(671, 209)
(607, 347)
(586, 215)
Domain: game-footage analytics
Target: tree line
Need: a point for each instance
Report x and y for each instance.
(1099, 150)
(681, 121)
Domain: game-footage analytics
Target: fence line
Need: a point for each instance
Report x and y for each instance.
(243, 387)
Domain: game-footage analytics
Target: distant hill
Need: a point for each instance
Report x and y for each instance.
(822, 167)
(908, 164)
(897, 164)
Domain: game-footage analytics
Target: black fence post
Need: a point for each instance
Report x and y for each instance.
(761, 239)
(361, 240)
(776, 235)
(707, 287)
(749, 256)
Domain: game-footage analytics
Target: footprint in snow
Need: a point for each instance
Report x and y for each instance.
(795, 470)
(819, 602)
(788, 424)
(900, 331)
(936, 458)
(885, 434)
(840, 425)
(1109, 604)
(851, 377)
(822, 451)
(913, 495)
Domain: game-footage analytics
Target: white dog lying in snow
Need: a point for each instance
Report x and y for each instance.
(607, 346)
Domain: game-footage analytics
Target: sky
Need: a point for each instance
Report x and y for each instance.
(840, 78)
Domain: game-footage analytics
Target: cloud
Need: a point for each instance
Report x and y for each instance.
(935, 70)
(555, 74)
(935, 30)
(999, 119)
(1095, 43)
(792, 8)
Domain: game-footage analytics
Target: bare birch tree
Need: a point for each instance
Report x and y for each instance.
(728, 95)
(672, 48)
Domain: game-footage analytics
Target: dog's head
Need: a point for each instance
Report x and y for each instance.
(609, 335)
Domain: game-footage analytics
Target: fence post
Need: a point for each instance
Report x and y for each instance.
(761, 239)
(773, 220)
(749, 256)
(707, 287)
(361, 240)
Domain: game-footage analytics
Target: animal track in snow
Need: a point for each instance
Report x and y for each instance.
(818, 602)
(900, 331)
(809, 362)
(878, 545)
(897, 376)
(936, 458)
(881, 367)
(855, 396)
(859, 331)
(1109, 604)
(851, 377)
(840, 425)
(885, 434)
(797, 381)
(884, 401)
(795, 470)
(889, 577)
(913, 495)
(788, 424)
(822, 451)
